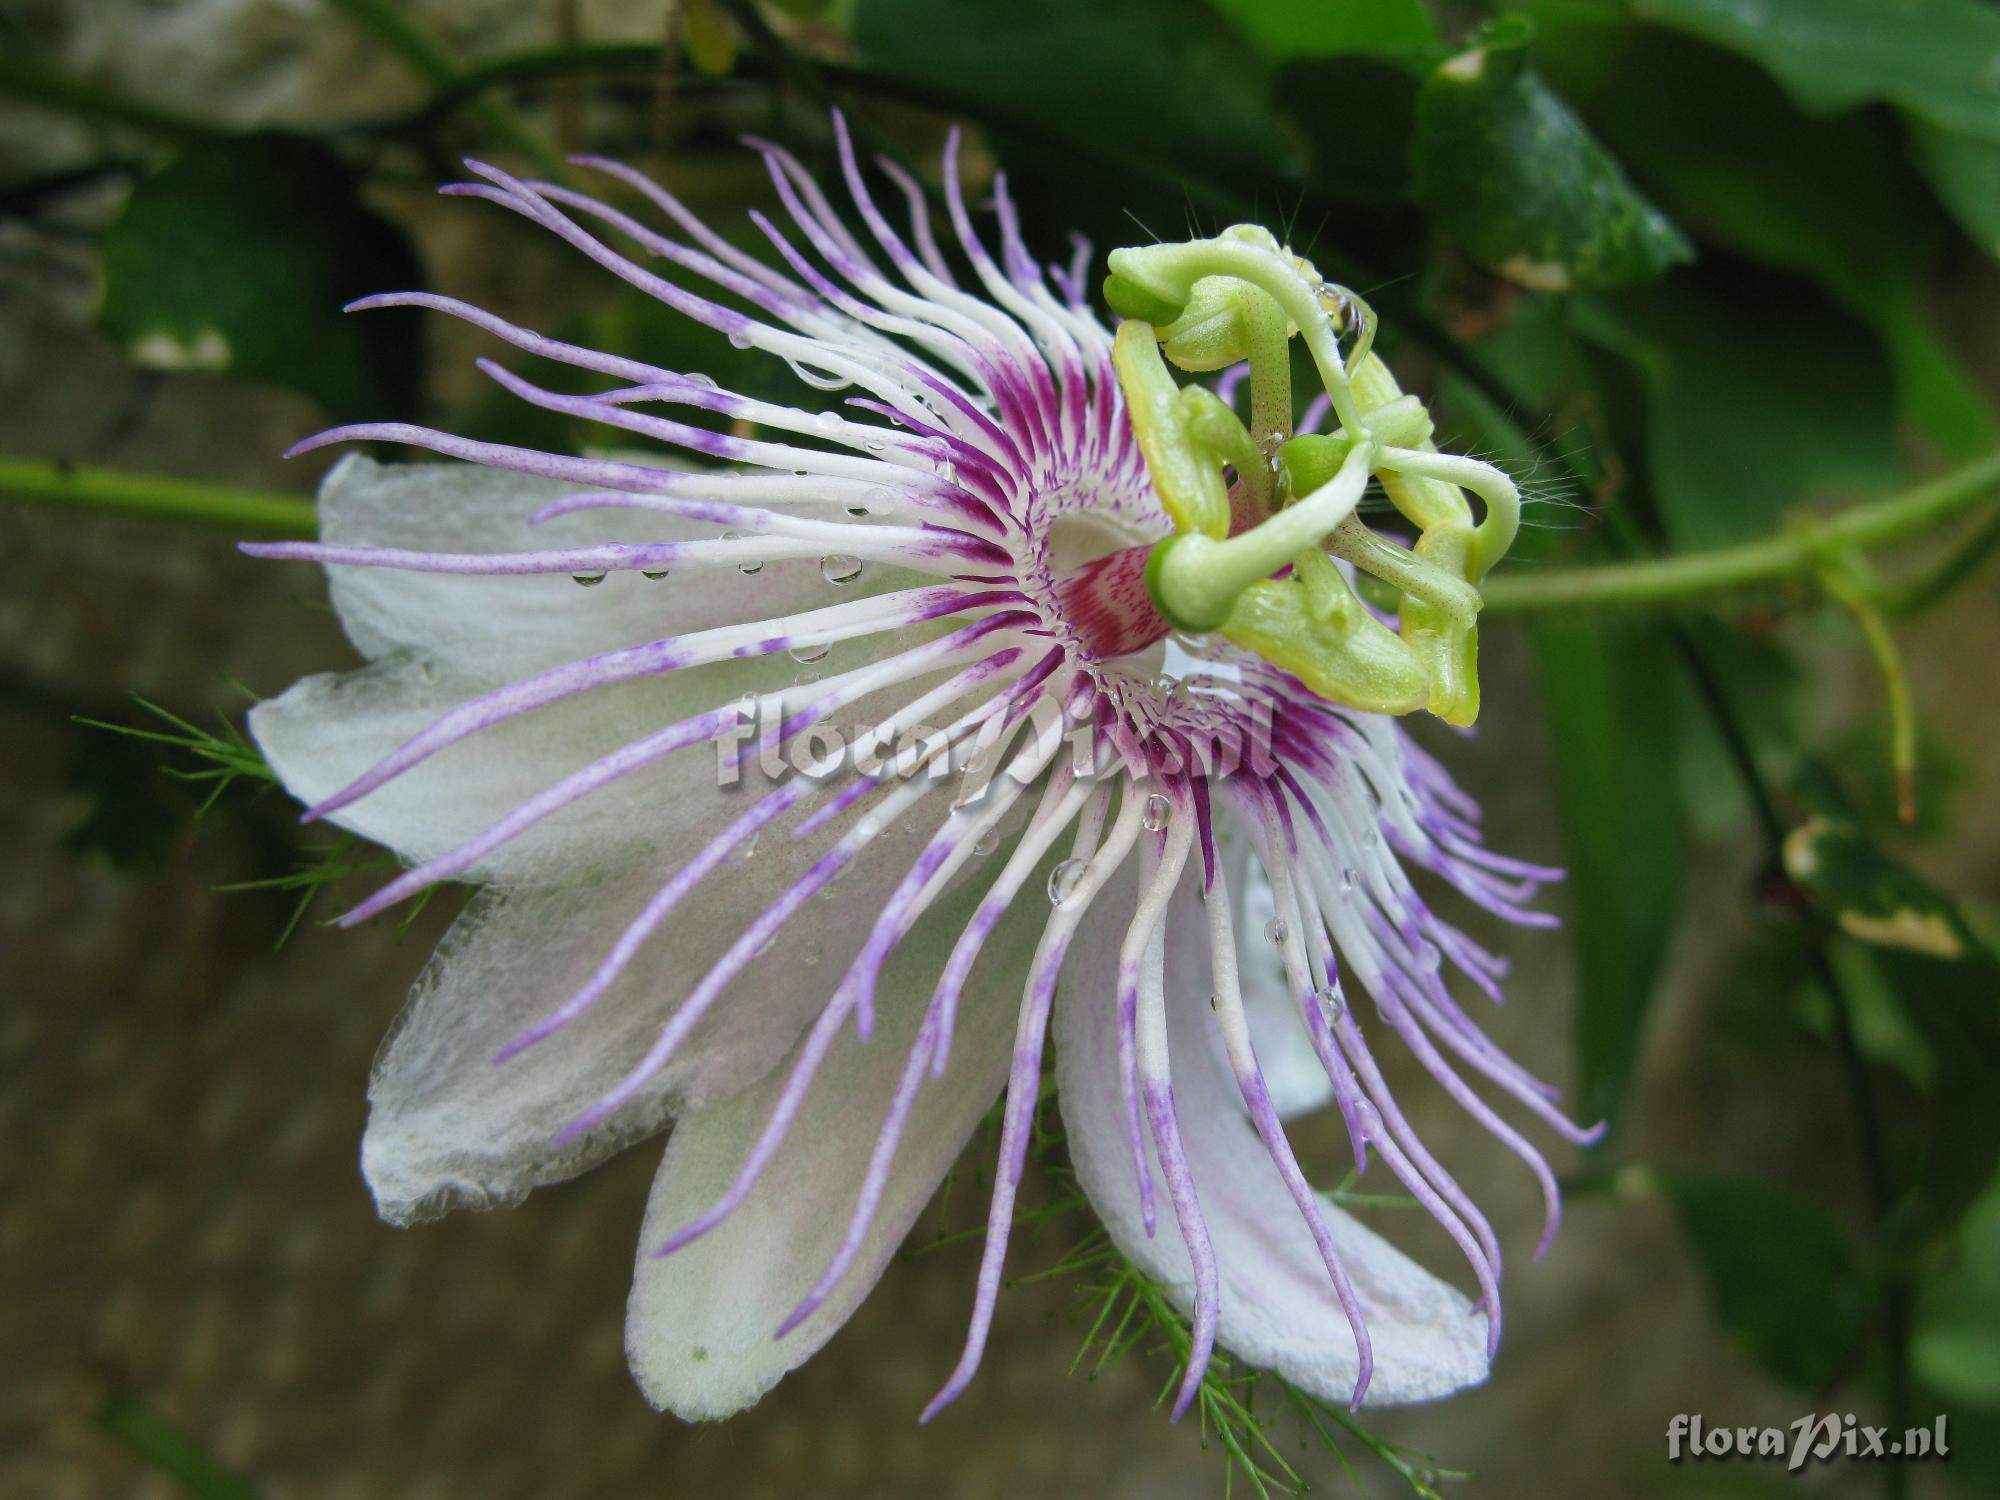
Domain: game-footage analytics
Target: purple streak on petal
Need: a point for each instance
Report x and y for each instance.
(1165, 1122)
(838, 804)
(751, 289)
(882, 614)
(605, 557)
(572, 788)
(920, 220)
(684, 880)
(692, 225)
(1023, 1089)
(748, 944)
(1205, 825)
(819, 1041)
(1225, 966)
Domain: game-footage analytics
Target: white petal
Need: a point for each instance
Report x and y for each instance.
(1277, 1309)
(487, 631)
(448, 1127)
(441, 640)
(699, 1328)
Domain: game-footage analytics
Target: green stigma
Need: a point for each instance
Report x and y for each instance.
(1209, 304)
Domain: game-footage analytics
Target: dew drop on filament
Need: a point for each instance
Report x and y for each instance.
(1332, 1004)
(827, 421)
(814, 651)
(988, 840)
(747, 568)
(1159, 813)
(1275, 931)
(587, 580)
(1063, 881)
(739, 339)
(656, 574)
(840, 567)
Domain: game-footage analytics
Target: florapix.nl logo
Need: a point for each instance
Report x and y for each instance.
(1816, 1438)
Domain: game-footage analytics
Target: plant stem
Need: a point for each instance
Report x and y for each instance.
(246, 512)
(1790, 555)
(1898, 1293)
(402, 33)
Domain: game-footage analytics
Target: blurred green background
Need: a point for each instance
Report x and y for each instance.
(1694, 270)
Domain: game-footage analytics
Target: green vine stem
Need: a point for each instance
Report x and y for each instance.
(1793, 554)
(249, 512)
(403, 34)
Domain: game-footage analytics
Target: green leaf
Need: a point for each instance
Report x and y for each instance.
(1966, 174)
(1759, 395)
(1783, 1277)
(1864, 892)
(1506, 169)
(1166, 81)
(1286, 29)
(1954, 1005)
(1612, 730)
(1955, 1343)
(238, 255)
(1832, 200)
(1934, 58)
(1358, 115)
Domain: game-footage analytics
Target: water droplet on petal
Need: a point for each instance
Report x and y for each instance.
(740, 339)
(840, 567)
(706, 382)
(1347, 878)
(744, 567)
(587, 580)
(1276, 931)
(1063, 881)
(1371, 838)
(806, 678)
(875, 445)
(827, 421)
(988, 840)
(1428, 957)
(656, 574)
(812, 651)
(810, 954)
(1211, 1002)
(745, 850)
(1159, 813)
(1332, 1004)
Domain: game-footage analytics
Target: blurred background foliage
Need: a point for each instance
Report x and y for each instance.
(1697, 271)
